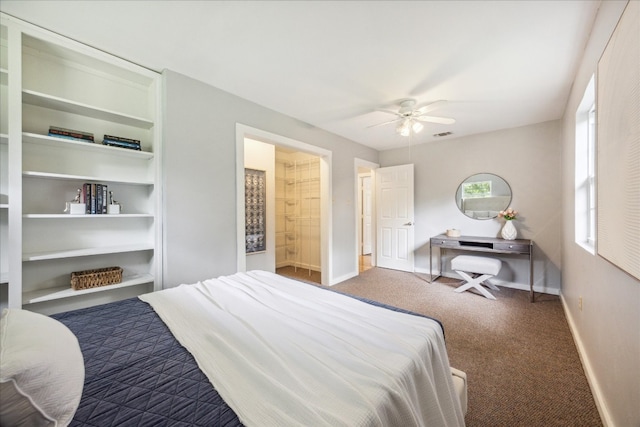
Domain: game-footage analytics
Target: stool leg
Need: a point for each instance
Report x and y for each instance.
(490, 285)
(474, 283)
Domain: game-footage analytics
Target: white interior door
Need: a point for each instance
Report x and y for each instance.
(366, 215)
(394, 207)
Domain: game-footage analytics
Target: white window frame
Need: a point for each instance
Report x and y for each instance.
(591, 177)
(585, 170)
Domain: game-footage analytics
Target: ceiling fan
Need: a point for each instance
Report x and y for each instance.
(409, 117)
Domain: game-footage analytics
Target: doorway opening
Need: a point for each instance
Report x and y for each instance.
(298, 212)
(365, 215)
(365, 208)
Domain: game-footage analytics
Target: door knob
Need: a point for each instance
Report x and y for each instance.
(409, 223)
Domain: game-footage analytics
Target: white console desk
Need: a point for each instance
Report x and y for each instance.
(482, 244)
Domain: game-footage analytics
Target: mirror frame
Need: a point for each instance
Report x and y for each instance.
(491, 209)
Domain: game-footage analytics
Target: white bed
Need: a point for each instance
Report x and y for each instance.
(251, 349)
(291, 354)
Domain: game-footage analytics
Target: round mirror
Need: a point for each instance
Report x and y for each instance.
(483, 195)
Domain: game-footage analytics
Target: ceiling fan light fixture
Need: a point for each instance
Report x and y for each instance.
(404, 128)
(408, 126)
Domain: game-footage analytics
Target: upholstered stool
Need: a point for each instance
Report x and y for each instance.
(482, 268)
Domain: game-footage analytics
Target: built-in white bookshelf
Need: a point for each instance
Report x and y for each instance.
(66, 84)
(4, 170)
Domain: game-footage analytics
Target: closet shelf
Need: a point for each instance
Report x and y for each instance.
(50, 294)
(302, 181)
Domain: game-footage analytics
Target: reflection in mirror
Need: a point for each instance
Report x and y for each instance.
(483, 195)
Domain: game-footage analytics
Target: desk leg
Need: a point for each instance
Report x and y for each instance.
(531, 273)
(430, 263)
(431, 278)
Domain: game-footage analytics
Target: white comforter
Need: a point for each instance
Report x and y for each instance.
(282, 353)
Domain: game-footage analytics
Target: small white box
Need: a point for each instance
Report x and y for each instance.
(113, 209)
(77, 208)
(452, 232)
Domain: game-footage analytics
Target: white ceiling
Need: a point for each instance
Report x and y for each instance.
(500, 64)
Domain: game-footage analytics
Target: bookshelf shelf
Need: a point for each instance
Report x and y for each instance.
(50, 294)
(86, 216)
(60, 104)
(51, 175)
(33, 138)
(4, 167)
(75, 253)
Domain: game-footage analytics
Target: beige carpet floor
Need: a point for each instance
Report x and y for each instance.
(522, 364)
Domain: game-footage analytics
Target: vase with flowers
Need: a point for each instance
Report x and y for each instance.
(509, 231)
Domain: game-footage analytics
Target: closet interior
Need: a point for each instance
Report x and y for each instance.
(297, 177)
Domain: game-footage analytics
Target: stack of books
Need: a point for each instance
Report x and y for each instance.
(118, 141)
(76, 135)
(95, 197)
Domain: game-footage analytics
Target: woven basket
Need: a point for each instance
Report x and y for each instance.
(94, 278)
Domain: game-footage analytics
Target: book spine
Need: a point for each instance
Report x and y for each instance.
(104, 198)
(93, 198)
(86, 193)
(121, 144)
(99, 199)
(71, 132)
(71, 137)
(60, 129)
(122, 139)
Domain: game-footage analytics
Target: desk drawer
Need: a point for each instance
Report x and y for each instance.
(445, 243)
(522, 248)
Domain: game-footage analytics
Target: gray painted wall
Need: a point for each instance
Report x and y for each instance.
(199, 174)
(606, 328)
(528, 158)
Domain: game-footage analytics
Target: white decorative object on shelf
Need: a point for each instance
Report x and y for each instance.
(452, 232)
(76, 208)
(509, 231)
(113, 208)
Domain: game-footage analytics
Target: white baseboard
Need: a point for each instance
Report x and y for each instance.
(342, 278)
(598, 396)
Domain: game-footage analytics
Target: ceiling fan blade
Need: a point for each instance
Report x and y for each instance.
(395, 113)
(386, 123)
(440, 120)
(431, 106)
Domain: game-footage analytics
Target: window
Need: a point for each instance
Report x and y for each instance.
(591, 177)
(585, 179)
(476, 189)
